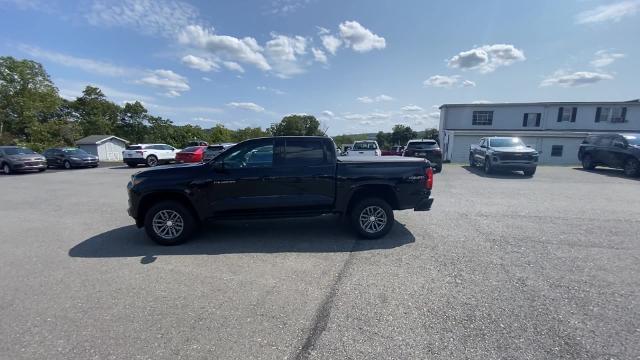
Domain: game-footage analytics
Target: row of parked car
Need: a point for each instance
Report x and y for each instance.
(17, 158)
(420, 148)
(157, 154)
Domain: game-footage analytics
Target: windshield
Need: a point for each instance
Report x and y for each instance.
(506, 142)
(422, 145)
(75, 152)
(633, 139)
(18, 151)
(365, 146)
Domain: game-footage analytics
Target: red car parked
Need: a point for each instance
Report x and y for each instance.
(192, 154)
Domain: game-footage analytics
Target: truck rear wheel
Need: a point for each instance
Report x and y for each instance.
(587, 162)
(169, 223)
(372, 218)
(632, 167)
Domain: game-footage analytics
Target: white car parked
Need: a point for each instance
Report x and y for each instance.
(149, 154)
(365, 148)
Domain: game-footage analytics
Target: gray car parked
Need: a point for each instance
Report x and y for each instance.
(16, 158)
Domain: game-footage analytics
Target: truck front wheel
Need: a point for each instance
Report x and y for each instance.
(169, 223)
(488, 169)
(372, 218)
(529, 172)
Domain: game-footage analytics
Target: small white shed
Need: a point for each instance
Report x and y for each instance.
(105, 147)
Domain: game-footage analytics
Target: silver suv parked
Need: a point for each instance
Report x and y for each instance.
(16, 158)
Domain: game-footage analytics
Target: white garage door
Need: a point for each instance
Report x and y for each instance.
(461, 144)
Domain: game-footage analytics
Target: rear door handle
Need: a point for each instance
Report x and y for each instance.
(202, 182)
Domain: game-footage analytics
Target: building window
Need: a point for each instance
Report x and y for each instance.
(482, 118)
(616, 114)
(531, 120)
(556, 150)
(567, 114)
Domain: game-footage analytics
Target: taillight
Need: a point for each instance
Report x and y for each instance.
(140, 152)
(429, 174)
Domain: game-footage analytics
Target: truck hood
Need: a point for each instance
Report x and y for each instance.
(171, 171)
(516, 149)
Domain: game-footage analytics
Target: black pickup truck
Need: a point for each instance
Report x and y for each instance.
(278, 177)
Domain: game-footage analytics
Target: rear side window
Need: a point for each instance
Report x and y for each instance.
(365, 146)
(134, 147)
(304, 153)
(604, 141)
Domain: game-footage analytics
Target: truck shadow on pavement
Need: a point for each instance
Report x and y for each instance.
(496, 174)
(608, 172)
(313, 235)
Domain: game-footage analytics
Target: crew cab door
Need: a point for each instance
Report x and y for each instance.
(306, 174)
(240, 180)
(617, 154)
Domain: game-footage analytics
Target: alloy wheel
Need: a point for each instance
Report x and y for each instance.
(373, 219)
(168, 224)
(6, 169)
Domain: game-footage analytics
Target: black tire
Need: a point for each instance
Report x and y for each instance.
(529, 172)
(152, 161)
(132, 165)
(472, 160)
(67, 165)
(632, 167)
(163, 211)
(6, 169)
(488, 169)
(42, 170)
(587, 162)
(438, 169)
(374, 207)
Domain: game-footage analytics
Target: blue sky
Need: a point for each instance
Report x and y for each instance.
(359, 66)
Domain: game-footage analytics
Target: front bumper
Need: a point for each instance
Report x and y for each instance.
(515, 166)
(84, 163)
(29, 165)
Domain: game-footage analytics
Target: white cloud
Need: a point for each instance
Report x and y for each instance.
(331, 43)
(370, 116)
(604, 58)
(206, 79)
(468, 83)
(245, 50)
(442, 81)
(319, 56)
(205, 120)
(246, 106)
(379, 98)
(611, 12)
(322, 30)
(173, 83)
(481, 102)
(84, 64)
(286, 7)
(328, 113)
(284, 54)
(73, 89)
(579, 78)
(164, 17)
(275, 91)
(412, 108)
(233, 66)
(200, 63)
(487, 58)
(360, 38)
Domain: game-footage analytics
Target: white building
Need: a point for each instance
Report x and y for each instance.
(105, 147)
(555, 129)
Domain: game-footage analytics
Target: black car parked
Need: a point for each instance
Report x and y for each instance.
(427, 149)
(69, 158)
(279, 177)
(621, 151)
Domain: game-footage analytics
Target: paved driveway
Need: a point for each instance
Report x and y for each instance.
(502, 267)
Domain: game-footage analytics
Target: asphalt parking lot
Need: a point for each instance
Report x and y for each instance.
(504, 266)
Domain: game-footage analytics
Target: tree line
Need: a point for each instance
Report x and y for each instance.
(33, 114)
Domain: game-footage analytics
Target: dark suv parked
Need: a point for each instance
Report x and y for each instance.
(621, 151)
(427, 149)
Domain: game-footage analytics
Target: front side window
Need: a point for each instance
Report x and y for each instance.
(304, 152)
(482, 118)
(251, 155)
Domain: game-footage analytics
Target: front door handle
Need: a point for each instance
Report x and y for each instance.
(201, 182)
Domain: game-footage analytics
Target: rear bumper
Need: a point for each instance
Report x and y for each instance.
(424, 205)
(138, 161)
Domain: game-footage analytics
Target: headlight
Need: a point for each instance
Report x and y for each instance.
(136, 180)
(74, 158)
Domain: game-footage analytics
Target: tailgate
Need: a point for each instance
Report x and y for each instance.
(129, 154)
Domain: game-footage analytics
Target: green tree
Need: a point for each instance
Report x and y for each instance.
(248, 133)
(132, 122)
(401, 134)
(27, 96)
(432, 134)
(296, 125)
(343, 140)
(383, 139)
(53, 133)
(97, 115)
